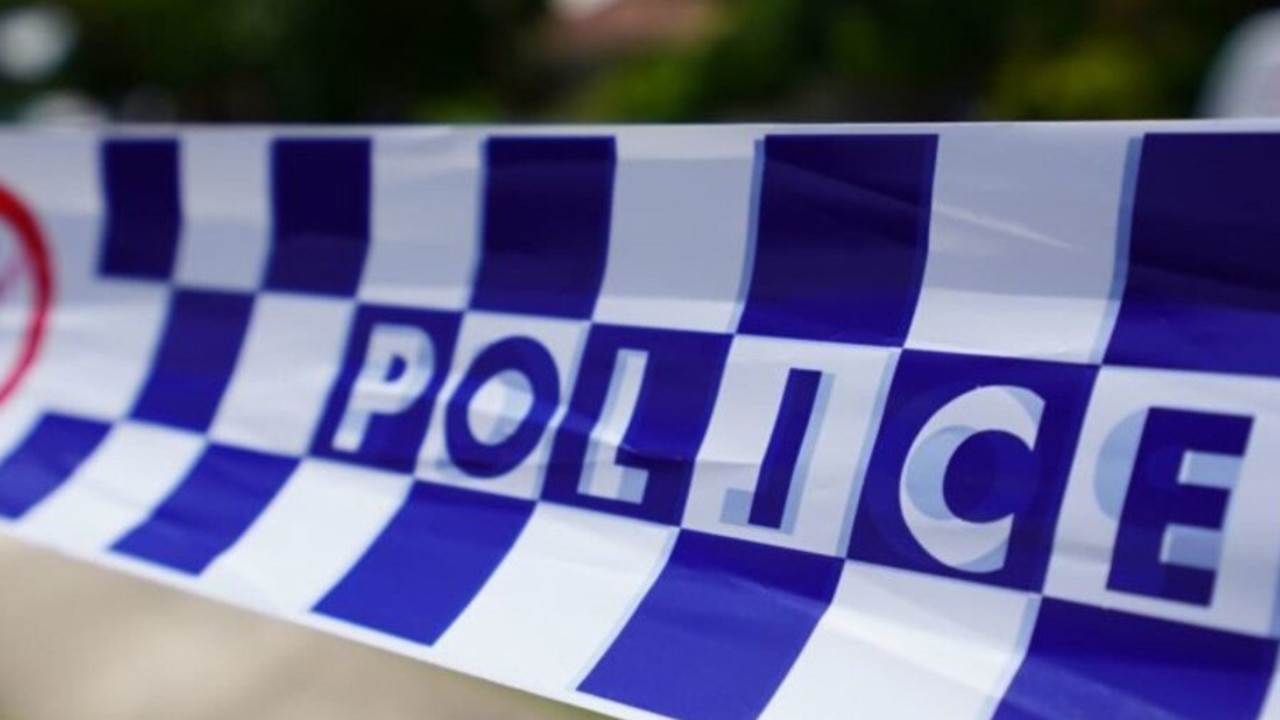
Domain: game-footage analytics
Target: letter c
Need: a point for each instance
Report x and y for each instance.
(952, 540)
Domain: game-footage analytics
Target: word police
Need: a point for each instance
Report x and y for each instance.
(961, 466)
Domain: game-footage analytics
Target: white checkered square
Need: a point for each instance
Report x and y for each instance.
(133, 470)
(313, 531)
(291, 355)
(909, 646)
(426, 210)
(680, 234)
(563, 591)
(226, 198)
(1023, 242)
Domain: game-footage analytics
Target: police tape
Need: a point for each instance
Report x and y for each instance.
(733, 422)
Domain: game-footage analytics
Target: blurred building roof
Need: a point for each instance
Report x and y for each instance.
(598, 29)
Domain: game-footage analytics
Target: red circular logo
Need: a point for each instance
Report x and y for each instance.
(26, 290)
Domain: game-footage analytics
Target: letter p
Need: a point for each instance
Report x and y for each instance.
(396, 369)
(395, 363)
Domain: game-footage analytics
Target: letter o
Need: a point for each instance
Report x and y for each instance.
(486, 460)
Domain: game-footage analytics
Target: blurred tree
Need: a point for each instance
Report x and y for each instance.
(344, 60)
(393, 60)
(923, 59)
(313, 60)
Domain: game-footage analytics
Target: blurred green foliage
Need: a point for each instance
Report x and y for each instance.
(923, 60)
(431, 60)
(298, 60)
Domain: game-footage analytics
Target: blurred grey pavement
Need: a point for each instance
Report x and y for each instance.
(77, 641)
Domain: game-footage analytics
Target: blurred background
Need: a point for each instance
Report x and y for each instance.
(612, 60)
(79, 642)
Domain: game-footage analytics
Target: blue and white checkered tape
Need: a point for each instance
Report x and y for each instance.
(703, 423)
